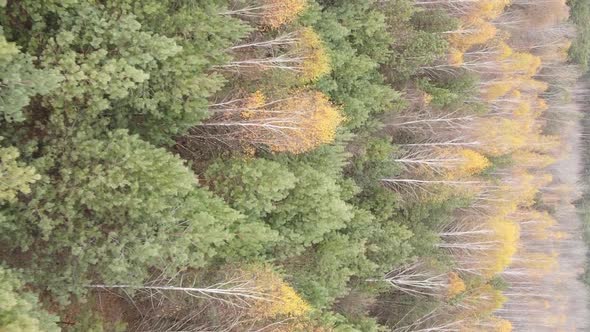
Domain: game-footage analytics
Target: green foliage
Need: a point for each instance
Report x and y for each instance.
(364, 25)
(88, 321)
(110, 80)
(418, 49)
(579, 52)
(434, 21)
(251, 186)
(498, 163)
(357, 37)
(450, 92)
(20, 80)
(114, 208)
(397, 15)
(373, 161)
(142, 66)
(15, 177)
(321, 274)
(311, 210)
(20, 310)
(391, 245)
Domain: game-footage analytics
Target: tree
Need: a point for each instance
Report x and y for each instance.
(357, 39)
(254, 187)
(271, 13)
(297, 124)
(112, 209)
(306, 57)
(474, 31)
(145, 67)
(20, 310)
(15, 177)
(311, 211)
(21, 81)
(251, 186)
(255, 295)
(419, 279)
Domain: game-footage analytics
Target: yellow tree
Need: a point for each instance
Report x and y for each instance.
(256, 295)
(299, 123)
(532, 160)
(448, 162)
(280, 300)
(473, 31)
(306, 56)
(499, 136)
(470, 163)
(456, 285)
(523, 63)
(487, 324)
(271, 13)
(488, 9)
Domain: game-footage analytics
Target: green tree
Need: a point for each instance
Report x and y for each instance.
(252, 186)
(144, 66)
(20, 310)
(20, 80)
(357, 36)
(450, 92)
(312, 209)
(418, 49)
(111, 209)
(433, 21)
(15, 177)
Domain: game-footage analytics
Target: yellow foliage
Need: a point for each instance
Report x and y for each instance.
(516, 94)
(505, 50)
(523, 109)
(497, 90)
(560, 235)
(535, 85)
(542, 218)
(532, 160)
(477, 32)
(541, 105)
(501, 136)
(487, 324)
(490, 9)
(456, 285)
(503, 326)
(427, 99)
(249, 151)
(317, 61)
(320, 127)
(253, 102)
(507, 234)
(279, 12)
(472, 163)
(296, 124)
(280, 300)
(524, 63)
(485, 299)
(455, 58)
(540, 261)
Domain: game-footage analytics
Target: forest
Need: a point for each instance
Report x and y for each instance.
(294, 165)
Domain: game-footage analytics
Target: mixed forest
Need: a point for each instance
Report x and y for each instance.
(293, 165)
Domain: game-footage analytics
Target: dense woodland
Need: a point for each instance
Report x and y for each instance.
(293, 165)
